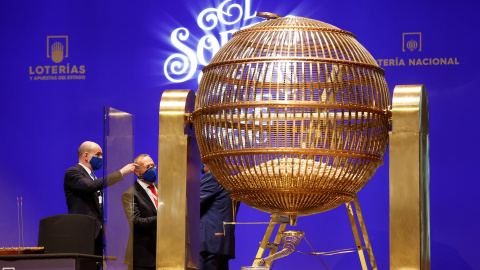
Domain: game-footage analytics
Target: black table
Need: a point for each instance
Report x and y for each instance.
(57, 261)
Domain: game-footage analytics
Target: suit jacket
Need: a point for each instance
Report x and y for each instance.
(142, 217)
(81, 192)
(215, 208)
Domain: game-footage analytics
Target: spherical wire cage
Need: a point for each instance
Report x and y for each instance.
(292, 116)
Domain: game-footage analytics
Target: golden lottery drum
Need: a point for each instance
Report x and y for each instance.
(292, 116)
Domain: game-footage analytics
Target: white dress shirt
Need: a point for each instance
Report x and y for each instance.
(149, 192)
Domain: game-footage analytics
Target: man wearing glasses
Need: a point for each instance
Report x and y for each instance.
(140, 203)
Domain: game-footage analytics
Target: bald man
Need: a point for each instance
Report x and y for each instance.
(83, 190)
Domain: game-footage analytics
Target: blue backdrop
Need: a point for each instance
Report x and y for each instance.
(62, 61)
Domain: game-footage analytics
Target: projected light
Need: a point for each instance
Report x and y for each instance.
(292, 116)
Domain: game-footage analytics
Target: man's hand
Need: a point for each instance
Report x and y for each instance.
(129, 168)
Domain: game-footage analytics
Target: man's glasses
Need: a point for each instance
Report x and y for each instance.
(150, 166)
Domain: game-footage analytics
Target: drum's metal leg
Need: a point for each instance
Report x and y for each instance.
(265, 244)
(356, 235)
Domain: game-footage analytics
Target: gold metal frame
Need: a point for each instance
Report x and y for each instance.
(354, 213)
(178, 222)
(292, 117)
(409, 180)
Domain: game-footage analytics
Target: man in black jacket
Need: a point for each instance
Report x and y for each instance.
(140, 203)
(84, 191)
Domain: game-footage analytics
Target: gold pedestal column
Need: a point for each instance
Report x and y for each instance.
(178, 184)
(409, 180)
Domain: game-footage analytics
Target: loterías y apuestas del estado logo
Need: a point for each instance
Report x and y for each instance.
(58, 67)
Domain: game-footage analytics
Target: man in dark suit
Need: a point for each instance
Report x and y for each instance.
(140, 202)
(83, 190)
(216, 246)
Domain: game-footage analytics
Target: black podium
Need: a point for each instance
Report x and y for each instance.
(69, 233)
(69, 245)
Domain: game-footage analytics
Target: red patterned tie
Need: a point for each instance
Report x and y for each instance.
(154, 191)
